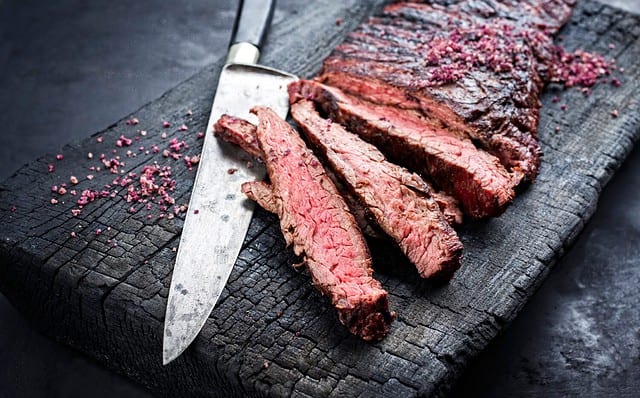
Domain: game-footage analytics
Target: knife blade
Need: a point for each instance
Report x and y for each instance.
(219, 215)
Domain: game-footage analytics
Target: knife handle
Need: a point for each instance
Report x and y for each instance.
(250, 28)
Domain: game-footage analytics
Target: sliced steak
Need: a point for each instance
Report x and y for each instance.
(473, 67)
(243, 133)
(475, 178)
(315, 221)
(400, 201)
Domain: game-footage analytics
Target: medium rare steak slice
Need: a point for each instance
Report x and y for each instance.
(315, 221)
(399, 200)
(476, 72)
(475, 178)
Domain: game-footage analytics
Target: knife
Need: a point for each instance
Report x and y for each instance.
(219, 215)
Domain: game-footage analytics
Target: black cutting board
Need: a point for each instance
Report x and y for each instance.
(271, 332)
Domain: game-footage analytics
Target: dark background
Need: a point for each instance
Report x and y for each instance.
(70, 67)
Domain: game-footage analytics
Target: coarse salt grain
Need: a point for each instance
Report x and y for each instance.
(614, 113)
(50, 168)
(123, 141)
(54, 201)
(59, 156)
(73, 180)
(166, 124)
(183, 127)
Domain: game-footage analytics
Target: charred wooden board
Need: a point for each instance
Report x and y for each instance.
(271, 332)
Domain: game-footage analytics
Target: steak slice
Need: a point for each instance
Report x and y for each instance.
(475, 178)
(400, 201)
(315, 221)
(476, 73)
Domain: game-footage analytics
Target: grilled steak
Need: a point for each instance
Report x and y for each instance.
(474, 67)
(400, 201)
(474, 177)
(315, 221)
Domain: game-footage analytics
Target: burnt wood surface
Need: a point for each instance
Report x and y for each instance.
(271, 332)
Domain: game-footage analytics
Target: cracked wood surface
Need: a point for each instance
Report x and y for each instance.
(271, 332)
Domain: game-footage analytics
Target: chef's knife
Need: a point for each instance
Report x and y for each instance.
(219, 215)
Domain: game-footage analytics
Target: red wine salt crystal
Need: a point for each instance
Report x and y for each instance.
(614, 113)
(50, 168)
(183, 127)
(123, 141)
(449, 56)
(166, 124)
(59, 156)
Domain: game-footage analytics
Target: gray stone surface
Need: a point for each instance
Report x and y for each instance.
(580, 337)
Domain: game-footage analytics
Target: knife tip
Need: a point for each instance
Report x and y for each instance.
(169, 355)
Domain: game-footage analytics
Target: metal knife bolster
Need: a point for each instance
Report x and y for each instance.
(243, 53)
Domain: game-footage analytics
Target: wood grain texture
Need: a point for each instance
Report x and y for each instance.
(271, 333)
